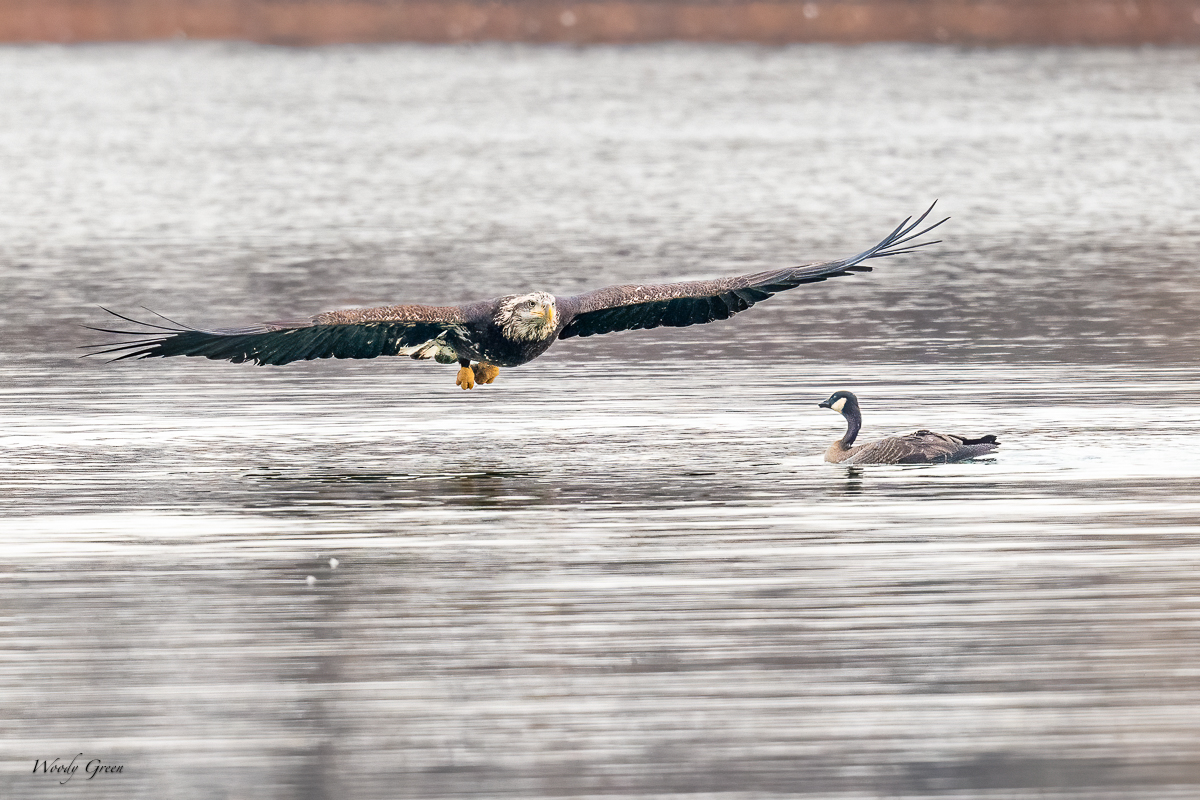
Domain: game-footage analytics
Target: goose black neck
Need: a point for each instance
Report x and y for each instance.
(853, 423)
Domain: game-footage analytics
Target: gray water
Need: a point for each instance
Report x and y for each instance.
(621, 570)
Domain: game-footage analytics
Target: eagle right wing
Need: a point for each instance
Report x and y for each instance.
(356, 333)
(678, 305)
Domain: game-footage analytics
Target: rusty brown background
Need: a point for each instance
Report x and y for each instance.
(300, 22)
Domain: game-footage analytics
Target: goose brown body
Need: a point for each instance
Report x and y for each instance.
(920, 447)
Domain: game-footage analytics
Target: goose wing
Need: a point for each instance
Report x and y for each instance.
(678, 305)
(923, 447)
(356, 333)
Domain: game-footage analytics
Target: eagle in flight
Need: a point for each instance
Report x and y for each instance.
(488, 334)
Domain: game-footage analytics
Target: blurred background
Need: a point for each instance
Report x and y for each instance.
(622, 570)
(1125, 22)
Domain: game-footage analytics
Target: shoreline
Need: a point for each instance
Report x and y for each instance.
(316, 22)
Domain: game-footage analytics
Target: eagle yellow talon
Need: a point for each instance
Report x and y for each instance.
(485, 373)
(466, 378)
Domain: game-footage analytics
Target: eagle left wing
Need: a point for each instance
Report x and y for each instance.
(678, 305)
(413, 331)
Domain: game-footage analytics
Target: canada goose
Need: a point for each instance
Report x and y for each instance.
(922, 447)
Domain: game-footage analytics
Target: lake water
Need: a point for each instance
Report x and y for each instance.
(622, 570)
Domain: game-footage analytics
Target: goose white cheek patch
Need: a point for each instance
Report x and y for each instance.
(839, 405)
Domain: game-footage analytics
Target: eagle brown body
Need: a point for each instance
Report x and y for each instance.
(484, 335)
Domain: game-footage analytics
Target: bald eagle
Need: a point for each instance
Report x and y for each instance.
(485, 335)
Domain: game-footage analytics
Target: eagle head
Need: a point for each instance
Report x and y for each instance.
(527, 317)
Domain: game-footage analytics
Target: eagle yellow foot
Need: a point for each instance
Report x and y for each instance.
(485, 373)
(466, 378)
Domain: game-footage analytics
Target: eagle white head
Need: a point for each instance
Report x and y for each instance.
(527, 317)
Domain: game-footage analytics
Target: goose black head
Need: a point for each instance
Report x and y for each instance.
(845, 403)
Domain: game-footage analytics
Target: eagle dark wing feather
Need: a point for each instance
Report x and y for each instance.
(674, 312)
(276, 343)
(678, 305)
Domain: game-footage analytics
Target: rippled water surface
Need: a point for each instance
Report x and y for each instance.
(622, 570)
